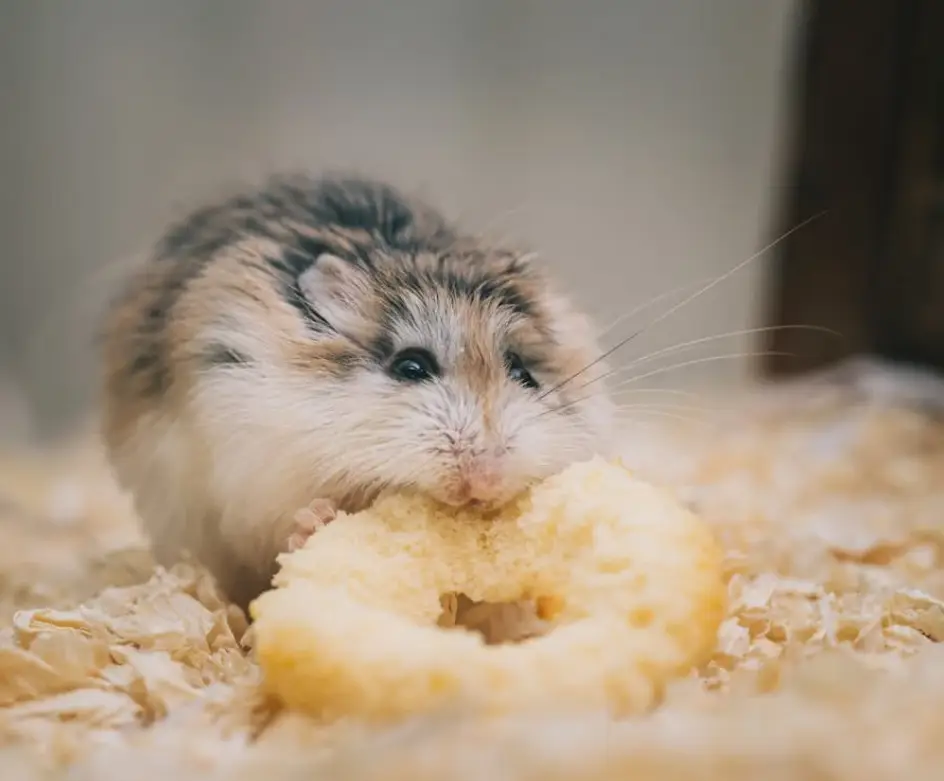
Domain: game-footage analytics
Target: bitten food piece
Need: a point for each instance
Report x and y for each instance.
(632, 580)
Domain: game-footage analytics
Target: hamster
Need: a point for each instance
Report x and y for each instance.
(314, 341)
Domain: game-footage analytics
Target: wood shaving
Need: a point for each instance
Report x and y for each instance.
(829, 502)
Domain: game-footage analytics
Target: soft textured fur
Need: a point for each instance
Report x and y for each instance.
(248, 369)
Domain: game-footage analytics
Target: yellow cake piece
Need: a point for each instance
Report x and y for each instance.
(632, 579)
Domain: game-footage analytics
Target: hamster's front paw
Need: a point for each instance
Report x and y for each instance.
(306, 522)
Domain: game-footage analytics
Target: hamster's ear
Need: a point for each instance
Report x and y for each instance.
(338, 290)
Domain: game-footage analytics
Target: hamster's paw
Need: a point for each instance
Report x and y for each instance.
(306, 522)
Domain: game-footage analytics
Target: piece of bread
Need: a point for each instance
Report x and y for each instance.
(633, 581)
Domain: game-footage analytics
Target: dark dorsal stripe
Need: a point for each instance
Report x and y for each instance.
(306, 216)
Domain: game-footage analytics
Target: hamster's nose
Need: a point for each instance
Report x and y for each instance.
(478, 482)
(484, 480)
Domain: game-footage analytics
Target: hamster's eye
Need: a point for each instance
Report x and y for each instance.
(519, 373)
(414, 365)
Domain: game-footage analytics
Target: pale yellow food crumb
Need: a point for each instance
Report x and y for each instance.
(634, 578)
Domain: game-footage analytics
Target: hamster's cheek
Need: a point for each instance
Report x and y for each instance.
(547, 438)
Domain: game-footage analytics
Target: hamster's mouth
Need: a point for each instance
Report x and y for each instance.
(478, 505)
(486, 508)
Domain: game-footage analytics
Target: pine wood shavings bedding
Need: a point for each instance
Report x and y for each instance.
(828, 665)
(66, 532)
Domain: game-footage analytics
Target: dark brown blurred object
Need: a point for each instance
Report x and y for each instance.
(868, 150)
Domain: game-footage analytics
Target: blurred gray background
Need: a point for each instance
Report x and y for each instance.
(635, 144)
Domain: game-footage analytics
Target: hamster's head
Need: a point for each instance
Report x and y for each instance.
(459, 373)
(353, 367)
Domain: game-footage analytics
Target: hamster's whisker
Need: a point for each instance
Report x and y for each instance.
(643, 306)
(696, 361)
(637, 424)
(687, 300)
(665, 391)
(678, 407)
(663, 414)
(679, 347)
(661, 420)
(655, 372)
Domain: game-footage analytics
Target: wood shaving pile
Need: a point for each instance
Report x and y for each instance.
(830, 504)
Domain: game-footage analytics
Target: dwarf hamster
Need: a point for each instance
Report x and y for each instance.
(314, 341)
